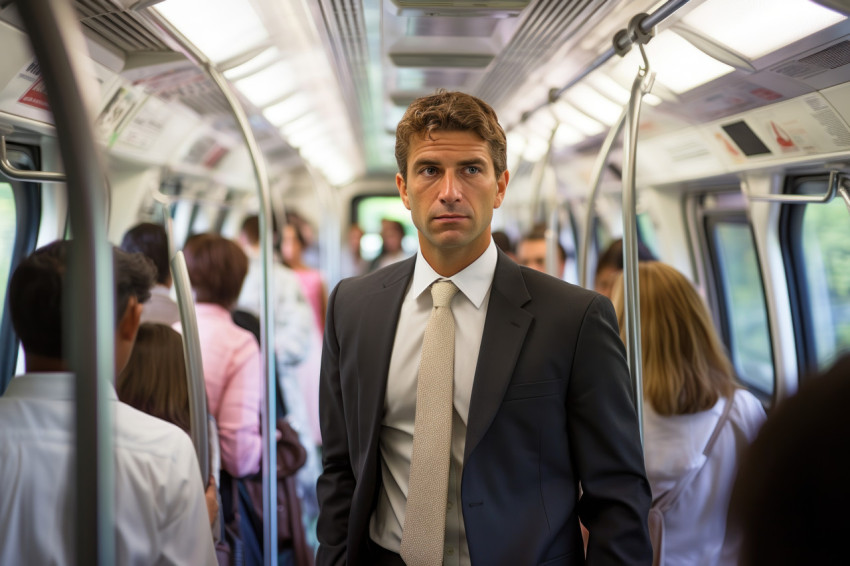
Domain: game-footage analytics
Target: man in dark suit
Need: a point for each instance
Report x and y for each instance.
(541, 408)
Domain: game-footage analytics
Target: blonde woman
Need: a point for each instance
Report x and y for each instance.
(697, 420)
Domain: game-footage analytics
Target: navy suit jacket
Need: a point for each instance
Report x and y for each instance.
(551, 407)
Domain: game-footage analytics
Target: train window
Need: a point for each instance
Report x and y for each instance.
(741, 300)
(369, 210)
(815, 241)
(8, 230)
(646, 233)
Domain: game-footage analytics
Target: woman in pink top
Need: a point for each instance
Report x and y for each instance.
(313, 287)
(230, 355)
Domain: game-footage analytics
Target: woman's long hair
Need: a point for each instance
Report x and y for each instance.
(685, 366)
(154, 380)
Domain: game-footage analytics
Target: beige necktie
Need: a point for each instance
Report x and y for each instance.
(425, 515)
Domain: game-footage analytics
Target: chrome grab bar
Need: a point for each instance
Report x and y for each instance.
(16, 174)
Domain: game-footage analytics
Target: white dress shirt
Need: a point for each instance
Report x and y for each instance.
(469, 309)
(160, 511)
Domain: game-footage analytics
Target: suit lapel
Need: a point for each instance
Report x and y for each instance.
(504, 333)
(380, 320)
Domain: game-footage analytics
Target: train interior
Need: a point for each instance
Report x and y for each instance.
(740, 168)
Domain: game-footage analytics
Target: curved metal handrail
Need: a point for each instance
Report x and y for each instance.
(268, 415)
(16, 174)
(836, 179)
(199, 427)
(89, 322)
(631, 288)
(598, 173)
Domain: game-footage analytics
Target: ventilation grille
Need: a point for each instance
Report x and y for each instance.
(121, 28)
(546, 26)
(830, 58)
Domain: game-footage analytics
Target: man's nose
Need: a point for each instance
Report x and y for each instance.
(450, 188)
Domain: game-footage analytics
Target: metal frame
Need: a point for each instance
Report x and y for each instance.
(89, 321)
(598, 173)
(16, 174)
(838, 182)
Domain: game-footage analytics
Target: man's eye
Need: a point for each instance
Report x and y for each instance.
(429, 171)
(473, 169)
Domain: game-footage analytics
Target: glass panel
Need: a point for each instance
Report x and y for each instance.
(8, 228)
(369, 212)
(646, 233)
(826, 257)
(743, 294)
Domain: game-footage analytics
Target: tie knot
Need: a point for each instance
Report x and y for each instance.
(442, 292)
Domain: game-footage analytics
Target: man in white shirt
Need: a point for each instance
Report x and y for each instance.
(160, 511)
(151, 240)
(533, 401)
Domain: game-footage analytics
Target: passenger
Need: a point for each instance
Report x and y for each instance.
(151, 240)
(792, 495)
(392, 235)
(154, 381)
(610, 265)
(532, 400)
(230, 355)
(531, 252)
(353, 263)
(160, 513)
(698, 421)
(313, 287)
(293, 316)
(504, 242)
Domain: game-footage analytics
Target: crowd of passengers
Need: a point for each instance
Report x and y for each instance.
(164, 514)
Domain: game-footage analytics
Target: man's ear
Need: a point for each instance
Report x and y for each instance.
(129, 323)
(402, 190)
(501, 188)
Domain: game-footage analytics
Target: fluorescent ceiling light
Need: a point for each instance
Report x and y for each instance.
(261, 61)
(567, 135)
(755, 28)
(589, 101)
(267, 85)
(567, 114)
(288, 109)
(609, 87)
(678, 65)
(221, 29)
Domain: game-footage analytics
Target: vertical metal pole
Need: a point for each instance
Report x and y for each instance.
(631, 288)
(598, 173)
(88, 317)
(269, 414)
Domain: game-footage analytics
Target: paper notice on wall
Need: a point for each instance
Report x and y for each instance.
(25, 94)
(116, 114)
(808, 124)
(143, 129)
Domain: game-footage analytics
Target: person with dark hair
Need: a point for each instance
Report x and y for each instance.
(610, 265)
(352, 262)
(791, 495)
(503, 241)
(151, 240)
(698, 420)
(160, 512)
(230, 355)
(531, 252)
(467, 401)
(392, 234)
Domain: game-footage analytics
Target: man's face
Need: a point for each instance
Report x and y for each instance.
(451, 191)
(532, 253)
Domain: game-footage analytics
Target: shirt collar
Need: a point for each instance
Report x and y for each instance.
(473, 281)
(48, 385)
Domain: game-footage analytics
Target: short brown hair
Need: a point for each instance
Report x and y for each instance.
(154, 380)
(251, 229)
(217, 268)
(451, 111)
(685, 367)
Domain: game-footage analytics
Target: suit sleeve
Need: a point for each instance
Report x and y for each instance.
(606, 446)
(335, 487)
